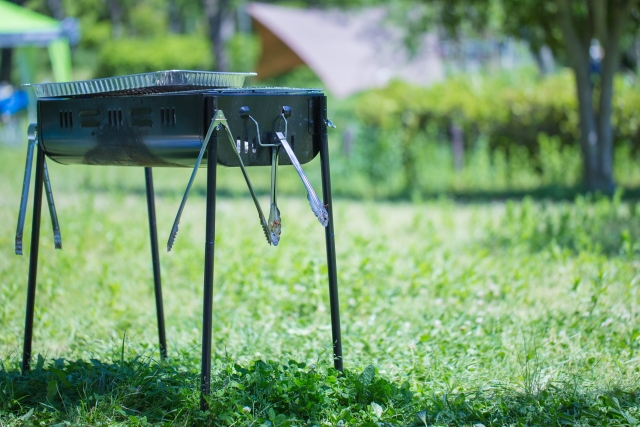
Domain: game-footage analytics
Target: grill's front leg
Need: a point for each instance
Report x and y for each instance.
(33, 261)
(207, 306)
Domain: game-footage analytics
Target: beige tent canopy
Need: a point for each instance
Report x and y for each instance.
(349, 51)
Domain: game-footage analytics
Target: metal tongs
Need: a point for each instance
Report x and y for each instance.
(275, 223)
(57, 239)
(316, 204)
(273, 228)
(218, 122)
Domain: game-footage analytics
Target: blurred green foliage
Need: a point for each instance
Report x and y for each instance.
(590, 223)
(244, 51)
(128, 56)
(123, 36)
(519, 130)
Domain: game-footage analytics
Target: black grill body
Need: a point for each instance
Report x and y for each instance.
(167, 129)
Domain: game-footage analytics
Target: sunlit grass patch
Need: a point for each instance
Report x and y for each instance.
(453, 314)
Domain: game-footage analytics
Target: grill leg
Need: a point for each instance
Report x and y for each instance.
(331, 256)
(151, 208)
(207, 307)
(33, 260)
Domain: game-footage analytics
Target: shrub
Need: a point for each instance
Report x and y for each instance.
(510, 118)
(129, 56)
(596, 224)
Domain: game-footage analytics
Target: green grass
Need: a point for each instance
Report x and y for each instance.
(488, 314)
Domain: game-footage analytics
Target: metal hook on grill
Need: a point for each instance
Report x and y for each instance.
(244, 113)
(33, 142)
(219, 121)
(285, 114)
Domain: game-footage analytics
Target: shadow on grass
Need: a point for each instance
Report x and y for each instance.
(144, 391)
(95, 391)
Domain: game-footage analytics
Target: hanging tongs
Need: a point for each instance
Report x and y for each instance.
(218, 122)
(316, 204)
(271, 229)
(57, 239)
(274, 224)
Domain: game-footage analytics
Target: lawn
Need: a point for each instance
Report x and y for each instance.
(516, 313)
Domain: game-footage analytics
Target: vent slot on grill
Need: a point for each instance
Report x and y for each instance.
(167, 116)
(138, 119)
(142, 123)
(66, 119)
(89, 122)
(89, 113)
(115, 118)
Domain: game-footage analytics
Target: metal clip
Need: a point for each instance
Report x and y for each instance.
(329, 123)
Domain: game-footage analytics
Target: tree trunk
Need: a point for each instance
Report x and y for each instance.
(620, 15)
(596, 130)
(588, 129)
(215, 10)
(605, 128)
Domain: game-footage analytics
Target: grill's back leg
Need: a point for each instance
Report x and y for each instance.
(33, 260)
(157, 284)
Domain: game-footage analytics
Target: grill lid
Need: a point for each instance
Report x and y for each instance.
(141, 84)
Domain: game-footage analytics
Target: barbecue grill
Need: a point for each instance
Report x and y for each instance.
(180, 119)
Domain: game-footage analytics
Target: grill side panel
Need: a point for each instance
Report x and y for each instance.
(159, 130)
(266, 109)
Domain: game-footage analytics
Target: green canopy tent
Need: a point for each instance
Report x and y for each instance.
(25, 29)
